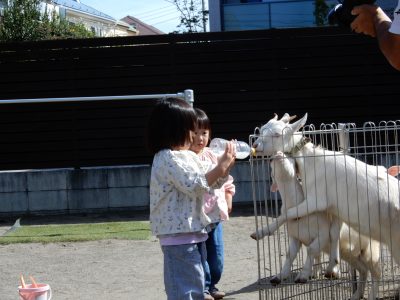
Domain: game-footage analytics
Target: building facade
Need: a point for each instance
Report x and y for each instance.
(143, 28)
(101, 24)
(232, 15)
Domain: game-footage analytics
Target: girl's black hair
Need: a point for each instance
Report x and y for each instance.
(170, 124)
(203, 121)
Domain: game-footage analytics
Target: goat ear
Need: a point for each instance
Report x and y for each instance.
(285, 118)
(298, 124)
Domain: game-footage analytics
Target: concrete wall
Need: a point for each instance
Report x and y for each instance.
(91, 189)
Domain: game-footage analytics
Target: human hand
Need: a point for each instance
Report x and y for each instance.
(394, 170)
(227, 160)
(365, 20)
(233, 142)
(225, 163)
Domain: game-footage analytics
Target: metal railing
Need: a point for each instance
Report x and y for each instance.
(186, 95)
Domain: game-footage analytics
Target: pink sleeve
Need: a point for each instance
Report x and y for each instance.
(209, 202)
(219, 197)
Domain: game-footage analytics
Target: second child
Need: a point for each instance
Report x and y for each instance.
(217, 205)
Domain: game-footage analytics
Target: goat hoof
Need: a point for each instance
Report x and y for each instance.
(254, 236)
(275, 280)
(301, 280)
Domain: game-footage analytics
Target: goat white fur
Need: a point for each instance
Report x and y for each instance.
(363, 196)
(314, 231)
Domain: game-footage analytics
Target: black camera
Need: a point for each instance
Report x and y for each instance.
(341, 13)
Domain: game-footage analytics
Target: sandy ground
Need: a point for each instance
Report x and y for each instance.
(118, 269)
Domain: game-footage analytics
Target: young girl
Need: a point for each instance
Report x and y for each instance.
(177, 186)
(217, 206)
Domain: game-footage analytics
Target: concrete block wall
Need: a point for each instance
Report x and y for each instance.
(91, 189)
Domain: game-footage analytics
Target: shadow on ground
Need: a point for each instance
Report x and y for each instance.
(254, 287)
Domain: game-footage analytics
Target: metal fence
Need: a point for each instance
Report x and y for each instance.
(375, 144)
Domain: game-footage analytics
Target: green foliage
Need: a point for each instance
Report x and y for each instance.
(56, 28)
(193, 16)
(134, 230)
(23, 21)
(321, 12)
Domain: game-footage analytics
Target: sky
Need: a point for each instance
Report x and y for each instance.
(161, 14)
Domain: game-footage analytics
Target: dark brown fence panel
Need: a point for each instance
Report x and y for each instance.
(239, 78)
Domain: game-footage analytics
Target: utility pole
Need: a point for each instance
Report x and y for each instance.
(203, 10)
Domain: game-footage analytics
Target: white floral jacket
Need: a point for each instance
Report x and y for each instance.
(177, 187)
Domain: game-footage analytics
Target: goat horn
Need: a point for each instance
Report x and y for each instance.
(275, 116)
(292, 118)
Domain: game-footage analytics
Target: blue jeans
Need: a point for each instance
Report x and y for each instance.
(215, 257)
(183, 271)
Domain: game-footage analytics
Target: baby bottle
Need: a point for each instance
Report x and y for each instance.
(243, 150)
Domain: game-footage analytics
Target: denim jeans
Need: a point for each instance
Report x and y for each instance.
(183, 271)
(215, 257)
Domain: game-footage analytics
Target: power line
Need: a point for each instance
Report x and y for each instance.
(147, 13)
(153, 11)
(158, 17)
(164, 21)
(158, 14)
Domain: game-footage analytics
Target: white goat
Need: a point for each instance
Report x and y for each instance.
(363, 196)
(314, 231)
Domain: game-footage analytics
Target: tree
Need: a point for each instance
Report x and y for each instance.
(56, 28)
(23, 21)
(193, 15)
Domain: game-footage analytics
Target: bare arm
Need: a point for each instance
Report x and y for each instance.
(389, 43)
(372, 20)
(225, 163)
(228, 198)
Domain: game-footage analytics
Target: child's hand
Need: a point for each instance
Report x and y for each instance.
(227, 160)
(225, 163)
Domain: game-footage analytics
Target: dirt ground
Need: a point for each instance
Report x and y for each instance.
(119, 269)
